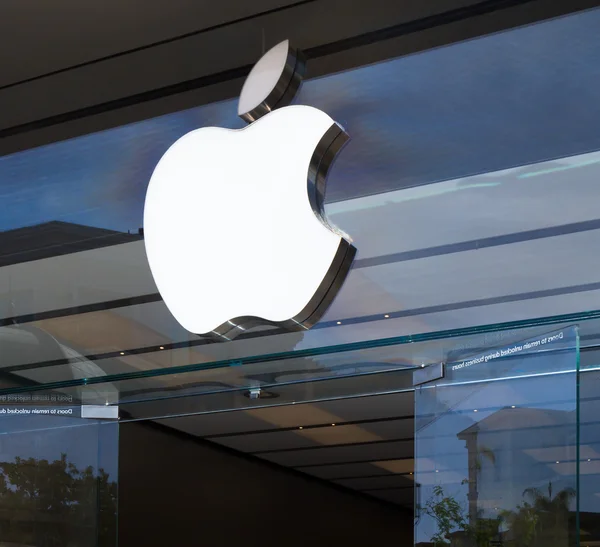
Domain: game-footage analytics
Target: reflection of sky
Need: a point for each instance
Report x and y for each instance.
(508, 99)
(47, 438)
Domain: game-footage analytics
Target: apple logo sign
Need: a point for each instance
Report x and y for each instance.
(234, 224)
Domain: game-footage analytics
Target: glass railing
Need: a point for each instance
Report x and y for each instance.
(353, 369)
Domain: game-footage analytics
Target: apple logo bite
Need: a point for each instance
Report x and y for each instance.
(234, 225)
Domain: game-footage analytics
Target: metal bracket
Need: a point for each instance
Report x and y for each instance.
(428, 373)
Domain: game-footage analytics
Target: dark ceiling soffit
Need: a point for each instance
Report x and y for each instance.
(160, 43)
(261, 462)
(426, 23)
(387, 488)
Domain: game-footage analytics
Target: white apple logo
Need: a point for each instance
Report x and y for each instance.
(233, 221)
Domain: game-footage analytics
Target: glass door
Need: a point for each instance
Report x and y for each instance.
(58, 472)
(496, 447)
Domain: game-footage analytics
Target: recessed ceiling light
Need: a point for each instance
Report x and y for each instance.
(122, 353)
(476, 410)
(332, 425)
(410, 473)
(589, 459)
(386, 315)
(300, 427)
(513, 406)
(162, 347)
(437, 470)
(339, 322)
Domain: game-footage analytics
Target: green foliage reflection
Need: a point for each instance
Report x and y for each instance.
(55, 504)
(541, 520)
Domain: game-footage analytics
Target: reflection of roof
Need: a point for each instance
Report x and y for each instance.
(26, 344)
(54, 239)
(518, 419)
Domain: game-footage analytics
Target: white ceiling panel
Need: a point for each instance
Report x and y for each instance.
(277, 440)
(216, 424)
(330, 472)
(351, 453)
(372, 408)
(393, 429)
(300, 438)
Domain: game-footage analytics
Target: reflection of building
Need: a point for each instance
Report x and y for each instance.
(54, 239)
(515, 450)
(25, 351)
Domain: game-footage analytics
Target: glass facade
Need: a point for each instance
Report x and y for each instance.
(59, 473)
(469, 189)
(497, 453)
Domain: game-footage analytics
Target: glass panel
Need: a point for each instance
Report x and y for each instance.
(496, 447)
(74, 272)
(58, 473)
(589, 435)
(188, 371)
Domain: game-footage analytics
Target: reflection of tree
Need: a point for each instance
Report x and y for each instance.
(52, 504)
(453, 528)
(446, 513)
(542, 520)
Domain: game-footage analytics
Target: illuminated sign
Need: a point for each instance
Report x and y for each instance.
(234, 225)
